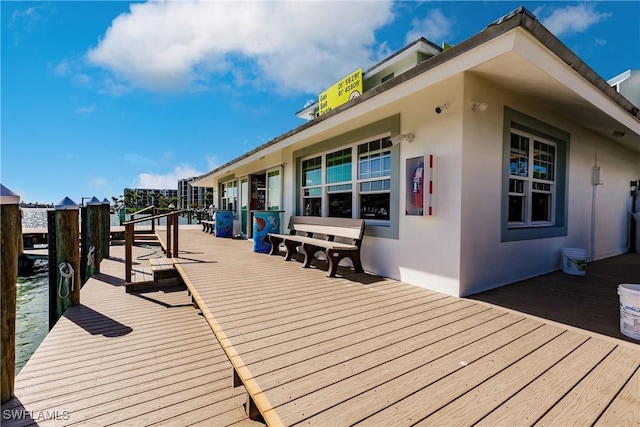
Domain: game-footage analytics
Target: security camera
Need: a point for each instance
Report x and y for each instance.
(441, 108)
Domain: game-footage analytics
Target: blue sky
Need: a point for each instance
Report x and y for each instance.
(99, 96)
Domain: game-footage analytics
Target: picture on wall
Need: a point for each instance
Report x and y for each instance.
(415, 186)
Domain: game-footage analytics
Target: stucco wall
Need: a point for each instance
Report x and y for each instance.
(486, 261)
(427, 252)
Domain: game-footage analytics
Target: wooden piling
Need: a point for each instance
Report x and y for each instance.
(11, 236)
(67, 256)
(105, 230)
(92, 244)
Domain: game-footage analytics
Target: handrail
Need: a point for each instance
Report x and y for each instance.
(150, 207)
(148, 218)
(171, 241)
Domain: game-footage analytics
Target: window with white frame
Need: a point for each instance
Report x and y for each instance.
(229, 195)
(332, 187)
(532, 180)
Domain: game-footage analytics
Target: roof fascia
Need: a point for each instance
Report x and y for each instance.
(519, 18)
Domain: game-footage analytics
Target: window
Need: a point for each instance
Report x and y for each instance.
(229, 195)
(534, 186)
(374, 179)
(311, 186)
(531, 180)
(330, 187)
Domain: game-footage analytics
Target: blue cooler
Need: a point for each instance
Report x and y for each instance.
(264, 222)
(224, 223)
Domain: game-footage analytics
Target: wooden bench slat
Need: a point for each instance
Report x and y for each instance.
(319, 235)
(328, 244)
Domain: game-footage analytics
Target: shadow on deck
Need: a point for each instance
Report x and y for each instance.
(588, 302)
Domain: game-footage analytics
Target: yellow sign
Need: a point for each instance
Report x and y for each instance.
(345, 90)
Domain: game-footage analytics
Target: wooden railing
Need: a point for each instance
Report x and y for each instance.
(150, 208)
(171, 241)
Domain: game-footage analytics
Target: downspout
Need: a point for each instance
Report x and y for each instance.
(595, 181)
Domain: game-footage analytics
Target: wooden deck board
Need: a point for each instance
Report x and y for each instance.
(121, 357)
(362, 349)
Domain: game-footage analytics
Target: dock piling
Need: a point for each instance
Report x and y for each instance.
(105, 231)
(91, 239)
(11, 237)
(64, 260)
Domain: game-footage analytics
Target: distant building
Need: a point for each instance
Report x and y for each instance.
(189, 196)
(628, 85)
(142, 197)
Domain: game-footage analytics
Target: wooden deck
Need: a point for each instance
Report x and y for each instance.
(364, 350)
(311, 350)
(127, 359)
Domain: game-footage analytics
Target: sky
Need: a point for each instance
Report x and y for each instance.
(98, 96)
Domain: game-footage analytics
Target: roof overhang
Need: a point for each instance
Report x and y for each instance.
(516, 53)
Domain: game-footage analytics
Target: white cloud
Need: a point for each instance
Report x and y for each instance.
(29, 17)
(98, 182)
(86, 110)
(166, 181)
(62, 69)
(212, 162)
(138, 160)
(573, 19)
(435, 26)
(284, 45)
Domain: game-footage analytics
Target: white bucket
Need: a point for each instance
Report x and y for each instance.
(630, 310)
(574, 261)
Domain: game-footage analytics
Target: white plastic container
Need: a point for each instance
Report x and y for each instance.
(574, 261)
(630, 310)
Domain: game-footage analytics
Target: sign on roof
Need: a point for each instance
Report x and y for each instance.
(345, 90)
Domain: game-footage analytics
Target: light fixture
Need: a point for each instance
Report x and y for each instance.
(478, 105)
(441, 108)
(403, 137)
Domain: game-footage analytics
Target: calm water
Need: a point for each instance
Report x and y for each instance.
(32, 300)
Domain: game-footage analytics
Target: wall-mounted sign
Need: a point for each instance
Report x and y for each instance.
(420, 196)
(343, 91)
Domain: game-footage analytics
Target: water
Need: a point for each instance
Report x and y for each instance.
(32, 299)
(32, 313)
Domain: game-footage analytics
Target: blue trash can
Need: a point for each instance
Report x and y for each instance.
(264, 222)
(224, 223)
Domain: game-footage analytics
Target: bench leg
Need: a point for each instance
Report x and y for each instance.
(335, 256)
(291, 249)
(309, 254)
(275, 244)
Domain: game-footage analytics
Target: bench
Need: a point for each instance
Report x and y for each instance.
(209, 226)
(315, 234)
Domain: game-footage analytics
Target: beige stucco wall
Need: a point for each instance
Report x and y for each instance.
(486, 262)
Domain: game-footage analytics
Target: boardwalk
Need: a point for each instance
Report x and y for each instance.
(311, 350)
(363, 350)
(128, 360)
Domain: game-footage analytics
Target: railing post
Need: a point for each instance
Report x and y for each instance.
(128, 252)
(176, 221)
(11, 236)
(169, 234)
(153, 221)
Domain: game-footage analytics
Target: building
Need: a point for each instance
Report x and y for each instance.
(525, 149)
(193, 197)
(628, 84)
(143, 197)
